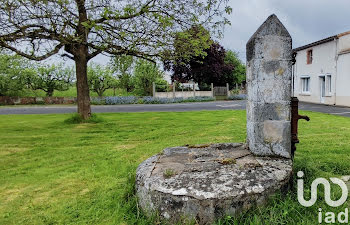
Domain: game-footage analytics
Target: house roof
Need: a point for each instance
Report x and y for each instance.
(331, 38)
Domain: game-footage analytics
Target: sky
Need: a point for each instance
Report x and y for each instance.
(306, 20)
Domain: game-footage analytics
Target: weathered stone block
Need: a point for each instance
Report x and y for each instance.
(267, 71)
(267, 48)
(268, 138)
(260, 111)
(211, 182)
(269, 92)
(272, 29)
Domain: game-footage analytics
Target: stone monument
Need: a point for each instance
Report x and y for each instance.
(269, 80)
(206, 182)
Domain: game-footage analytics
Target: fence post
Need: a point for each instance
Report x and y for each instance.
(194, 89)
(228, 89)
(154, 89)
(174, 84)
(212, 90)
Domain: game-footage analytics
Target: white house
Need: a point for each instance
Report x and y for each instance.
(321, 73)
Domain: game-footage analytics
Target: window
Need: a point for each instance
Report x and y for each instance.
(305, 85)
(309, 57)
(329, 84)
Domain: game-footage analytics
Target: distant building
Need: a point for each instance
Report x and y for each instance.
(321, 73)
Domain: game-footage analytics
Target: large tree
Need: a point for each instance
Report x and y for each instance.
(82, 29)
(207, 69)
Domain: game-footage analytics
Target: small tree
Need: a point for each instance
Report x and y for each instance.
(100, 79)
(144, 75)
(239, 72)
(51, 77)
(14, 72)
(123, 66)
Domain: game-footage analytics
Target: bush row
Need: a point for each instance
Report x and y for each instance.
(119, 100)
(238, 97)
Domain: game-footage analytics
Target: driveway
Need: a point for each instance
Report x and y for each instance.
(179, 107)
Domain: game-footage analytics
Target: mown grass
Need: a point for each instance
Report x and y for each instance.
(54, 172)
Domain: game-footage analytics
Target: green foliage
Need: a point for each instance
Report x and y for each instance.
(81, 30)
(145, 74)
(204, 70)
(14, 72)
(100, 79)
(122, 65)
(192, 43)
(169, 173)
(50, 78)
(239, 71)
(162, 85)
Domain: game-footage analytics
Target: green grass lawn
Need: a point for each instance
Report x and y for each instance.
(57, 173)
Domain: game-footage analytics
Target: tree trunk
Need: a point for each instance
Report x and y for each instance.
(83, 93)
(49, 93)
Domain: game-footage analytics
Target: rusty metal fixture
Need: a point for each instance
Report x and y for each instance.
(295, 118)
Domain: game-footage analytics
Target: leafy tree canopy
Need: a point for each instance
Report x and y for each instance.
(82, 29)
(14, 72)
(203, 70)
(50, 78)
(144, 75)
(101, 78)
(239, 72)
(123, 66)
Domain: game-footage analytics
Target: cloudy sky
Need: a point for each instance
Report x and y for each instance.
(306, 20)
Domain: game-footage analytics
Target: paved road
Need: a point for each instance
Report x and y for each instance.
(181, 107)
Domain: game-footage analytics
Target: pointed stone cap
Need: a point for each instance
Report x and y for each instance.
(271, 27)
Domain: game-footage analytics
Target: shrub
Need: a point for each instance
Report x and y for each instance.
(199, 99)
(98, 101)
(151, 100)
(238, 97)
(118, 100)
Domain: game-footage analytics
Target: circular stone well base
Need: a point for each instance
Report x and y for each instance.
(208, 182)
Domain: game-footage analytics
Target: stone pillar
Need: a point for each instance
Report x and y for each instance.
(212, 90)
(269, 62)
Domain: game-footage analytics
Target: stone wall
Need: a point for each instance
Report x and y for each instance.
(5, 100)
